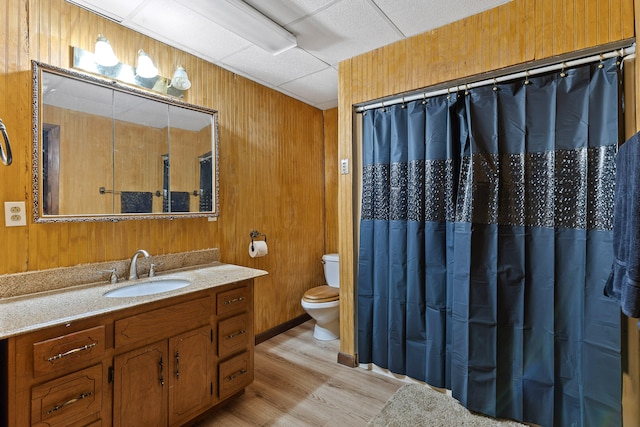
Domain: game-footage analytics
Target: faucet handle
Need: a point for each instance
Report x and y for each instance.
(152, 268)
(113, 278)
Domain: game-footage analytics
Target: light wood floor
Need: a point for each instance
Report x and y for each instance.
(299, 383)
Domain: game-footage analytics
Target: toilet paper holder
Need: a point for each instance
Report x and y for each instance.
(256, 234)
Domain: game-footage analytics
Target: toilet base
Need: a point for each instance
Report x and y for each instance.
(327, 332)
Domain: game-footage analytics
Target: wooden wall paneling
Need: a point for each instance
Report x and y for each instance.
(591, 26)
(457, 60)
(627, 19)
(331, 173)
(418, 59)
(347, 94)
(560, 14)
(492, 21)
(472, 44)
(13, 93)
(605, 22)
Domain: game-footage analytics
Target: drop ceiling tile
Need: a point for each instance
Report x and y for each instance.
(343, 30)
(417, 16)
(277, 69)
(115, 9)
(181, 27)
(318, 87)
(285, 12)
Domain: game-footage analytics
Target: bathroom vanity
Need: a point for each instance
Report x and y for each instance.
(160, 359)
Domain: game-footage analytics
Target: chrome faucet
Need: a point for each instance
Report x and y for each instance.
(133, 271)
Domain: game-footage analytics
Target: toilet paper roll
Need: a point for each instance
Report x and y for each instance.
(257, 249)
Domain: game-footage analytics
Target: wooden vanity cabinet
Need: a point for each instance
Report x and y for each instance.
(234, 309)
(159, 364)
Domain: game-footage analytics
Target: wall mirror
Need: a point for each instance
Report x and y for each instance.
(105, 151)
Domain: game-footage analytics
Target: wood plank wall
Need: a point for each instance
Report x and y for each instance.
(271, 164)
(331, 179)
(514, 33)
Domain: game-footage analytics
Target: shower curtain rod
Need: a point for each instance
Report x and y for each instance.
(625, 52)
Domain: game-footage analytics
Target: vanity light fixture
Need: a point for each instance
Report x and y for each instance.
(145, 68)
(104, 53)
(180, 80)
(248, 23)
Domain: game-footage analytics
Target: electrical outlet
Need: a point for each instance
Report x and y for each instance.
(14, 214)
(344, 166)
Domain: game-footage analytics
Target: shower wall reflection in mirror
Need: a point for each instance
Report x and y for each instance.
(104, 151)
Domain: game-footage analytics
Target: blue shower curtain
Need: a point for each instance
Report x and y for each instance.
(486, 241)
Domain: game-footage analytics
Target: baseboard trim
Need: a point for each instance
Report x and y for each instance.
(346, 359)
(283, 327)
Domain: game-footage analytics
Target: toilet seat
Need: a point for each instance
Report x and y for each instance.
(321, 294)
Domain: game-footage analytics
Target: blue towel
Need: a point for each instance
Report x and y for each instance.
(136, 201)
(180, 201)
(623, 284)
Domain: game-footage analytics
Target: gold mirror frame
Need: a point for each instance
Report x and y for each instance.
(37, 128)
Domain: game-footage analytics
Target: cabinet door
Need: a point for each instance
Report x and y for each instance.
(140, 387)
(191, 383)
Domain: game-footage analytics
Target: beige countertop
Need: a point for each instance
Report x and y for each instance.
(36, 311)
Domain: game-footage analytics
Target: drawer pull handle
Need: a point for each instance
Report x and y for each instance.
(231, 301)
(161, 367)
(58, 407)
(177, 364)
(70, 352)
(240, 332)
(236, 375)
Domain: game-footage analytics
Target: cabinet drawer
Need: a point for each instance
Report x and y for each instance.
(68, 352)
(233, 301)
(162, 323)
(233, 335)
(67, 400)
(234, 375)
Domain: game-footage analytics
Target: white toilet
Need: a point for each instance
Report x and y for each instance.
(323, 302)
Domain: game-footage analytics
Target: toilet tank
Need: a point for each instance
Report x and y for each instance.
(331, 269)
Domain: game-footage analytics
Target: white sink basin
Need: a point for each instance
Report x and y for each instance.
(148, 288)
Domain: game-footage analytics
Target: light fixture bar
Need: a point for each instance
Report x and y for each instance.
(246, 22)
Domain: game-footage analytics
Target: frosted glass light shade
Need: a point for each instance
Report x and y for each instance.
(104, 53)
(180, 80)
(145, 68)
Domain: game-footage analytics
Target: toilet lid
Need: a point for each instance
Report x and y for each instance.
(324, 293)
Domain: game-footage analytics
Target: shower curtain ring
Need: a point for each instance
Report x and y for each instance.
(601, 64)
(403, 104)
(384, 110)
(424, 98)
(448, 93)
(526, 77)
(495, 85)
(563, 73)
(466, 88)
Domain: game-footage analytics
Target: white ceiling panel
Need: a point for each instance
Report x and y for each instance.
(343, 30)
(318, 88)
(115, 9)
(285, 12)
(274, 70)
(417, 16)
(192, 31)
(327, 31)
